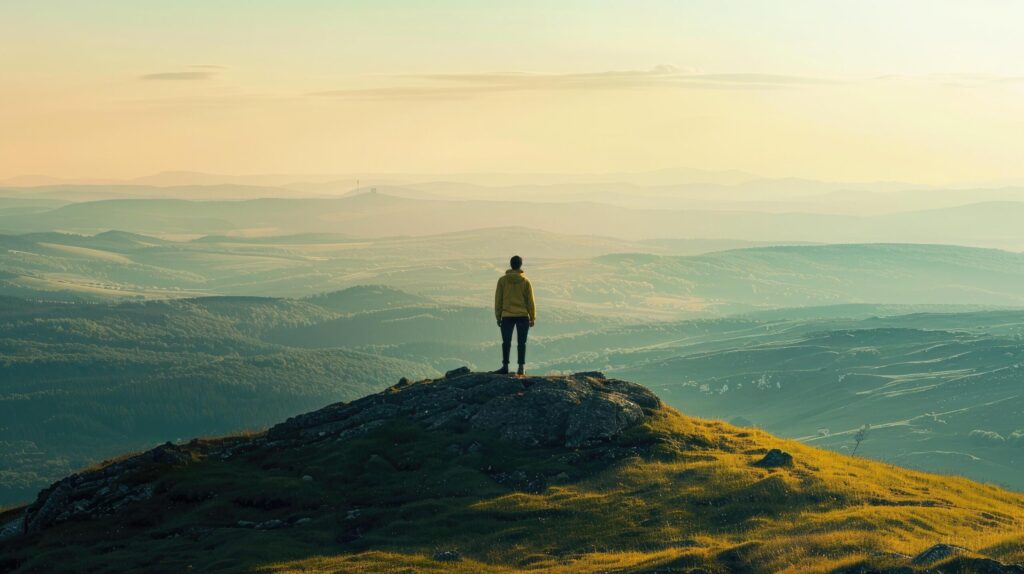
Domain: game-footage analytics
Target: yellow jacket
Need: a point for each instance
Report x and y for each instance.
(514, 296)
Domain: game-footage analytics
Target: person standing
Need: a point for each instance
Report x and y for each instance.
(514, 308)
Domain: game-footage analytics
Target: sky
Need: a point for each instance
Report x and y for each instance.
(926, 91)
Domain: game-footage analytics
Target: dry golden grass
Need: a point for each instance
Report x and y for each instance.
(710, 507)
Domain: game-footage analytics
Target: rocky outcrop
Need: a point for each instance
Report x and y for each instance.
(12, 529)
(775, 458)
(937, 559)
(979, 566)
(571, 411)
(938, 552)
(98, 492)
(952, 559)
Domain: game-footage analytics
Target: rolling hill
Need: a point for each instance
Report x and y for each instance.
(494, 474)
(581, 274)
(919, 379)
(793, 276)
(84, 381)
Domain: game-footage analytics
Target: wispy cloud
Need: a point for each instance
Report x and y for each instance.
(463, 85)
(198, 72)
(955, 79)
(179, 76)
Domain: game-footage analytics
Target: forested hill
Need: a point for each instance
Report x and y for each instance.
(84, 381)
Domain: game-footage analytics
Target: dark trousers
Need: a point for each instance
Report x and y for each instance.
(522, 328)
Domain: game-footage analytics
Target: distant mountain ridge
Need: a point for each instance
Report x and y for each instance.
(992, 224)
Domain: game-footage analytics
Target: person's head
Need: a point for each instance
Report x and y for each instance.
(516, 262)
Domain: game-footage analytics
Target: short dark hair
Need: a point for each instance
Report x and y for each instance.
(516, 262)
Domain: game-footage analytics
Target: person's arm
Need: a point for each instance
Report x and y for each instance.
(531, 306)
(498, 303)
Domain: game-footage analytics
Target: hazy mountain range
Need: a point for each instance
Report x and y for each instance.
(680, 189)
(991, 224)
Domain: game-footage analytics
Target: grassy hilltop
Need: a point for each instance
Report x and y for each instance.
(483, 473)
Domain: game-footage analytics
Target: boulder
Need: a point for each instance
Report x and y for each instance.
(775, 458)
(12, 529)
(461, 371)
(981, 566)
(271, 525)
(937, 553)
(108, 489)
(447, 556)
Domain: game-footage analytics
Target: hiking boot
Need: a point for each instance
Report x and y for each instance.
(502, 371)
(521, 371)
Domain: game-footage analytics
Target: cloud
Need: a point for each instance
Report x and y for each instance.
(763, 79)
(955, 79)
(216, 101)
(401, 93)
(207, 67)
(663, 76)
(179, 76)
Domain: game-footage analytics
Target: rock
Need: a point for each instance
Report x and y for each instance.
(461, 371)
(377, 463)
(110, 488)
(169, 453)
(577, 411)
(307, 478)
(981, 566)
(775, 458)
(12, 529)
(271, 525)
(246, 524)
(303, 520)
(869, 569)
(48, 506)
(562, 411)
(938, 552)
(447, 556)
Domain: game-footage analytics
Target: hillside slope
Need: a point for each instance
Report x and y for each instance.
(941, 391)
(487, 473)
